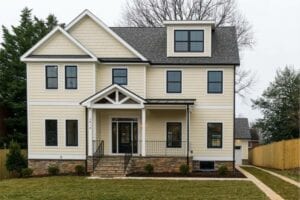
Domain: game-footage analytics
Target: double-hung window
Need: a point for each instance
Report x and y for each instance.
(71, 77)
(51, 77)
(174, 134)
(72, 132)
(173, 81)
(215, 82)
(214, 135)
(119, 76)
(189, 41)
(51, 132)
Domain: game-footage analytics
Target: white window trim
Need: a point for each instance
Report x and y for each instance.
(64, 77)
(182, 133)
(65, 133)
(57, 134)
(59, 81)
(120, 67)
(206, 82)
(166, 83)
(206, 135)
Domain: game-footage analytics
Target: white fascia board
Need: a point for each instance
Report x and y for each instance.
(106, 28)
(120, 106)
(44, 39)
(62, 156)
(57, 60)
(212, 158)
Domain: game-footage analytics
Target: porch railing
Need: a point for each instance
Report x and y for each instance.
(98, 151)
(163, 148)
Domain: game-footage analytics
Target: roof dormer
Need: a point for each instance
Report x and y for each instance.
(189, 38)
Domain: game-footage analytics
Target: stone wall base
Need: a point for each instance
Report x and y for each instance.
(40, 167)
(160, 164)
(245, 161)
(229, 164)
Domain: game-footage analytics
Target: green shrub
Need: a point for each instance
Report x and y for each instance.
(26, 172)
(53, 170)
(149, 168)
(222, 170)
(184, 169)
(79, 170)
(15, 161)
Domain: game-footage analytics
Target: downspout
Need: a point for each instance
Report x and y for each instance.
(233, 151)
(86, 141)
(188, 133)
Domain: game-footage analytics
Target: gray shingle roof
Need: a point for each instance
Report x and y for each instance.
(242, 130)
(151, 43)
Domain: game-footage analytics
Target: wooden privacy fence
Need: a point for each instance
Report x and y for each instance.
(279, 155)
(3, 171)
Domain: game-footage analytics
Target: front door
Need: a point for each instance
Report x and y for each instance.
(124, 135)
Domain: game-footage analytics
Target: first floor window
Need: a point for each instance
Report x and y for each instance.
(72, 132)
(51, 132)
(214, 135)
(174, 134)
(119, 76)
(51, 77)
(215, 82)
(71, 77)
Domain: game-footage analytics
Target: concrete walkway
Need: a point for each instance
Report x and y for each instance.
(280, 176)
(172, 178)
(264, 188)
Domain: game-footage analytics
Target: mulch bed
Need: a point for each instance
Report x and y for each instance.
(214, 174)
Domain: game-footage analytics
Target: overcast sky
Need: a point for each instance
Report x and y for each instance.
(275, 24)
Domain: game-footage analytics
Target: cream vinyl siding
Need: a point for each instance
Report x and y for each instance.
(194, 85)
(244, 146)
(135, 77)
(37, 116)
(97, 40)
(37, 83)
(170, 40)
(198, 132)
(58, 44)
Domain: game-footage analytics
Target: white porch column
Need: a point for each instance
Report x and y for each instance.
(143, 132)
(90, 132)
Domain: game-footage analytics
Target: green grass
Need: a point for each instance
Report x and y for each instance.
(281, 187)
(71, 187)
(292, 173)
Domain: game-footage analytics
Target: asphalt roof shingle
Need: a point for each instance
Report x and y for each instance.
(242, 130)
(151, 43)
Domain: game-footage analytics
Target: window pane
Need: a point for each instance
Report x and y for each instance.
(215, 87)
(119, 72)
(214, 135)
(181, 46)
(71, 71)
(181, 35)
(173, 134)
(72, 132)
(51, 132)
(51, 71)
(52, 83)
(196, 46)
(196, 35)
(174, 87)
(71, 83)
(174, 75)
(214, 76)
(120, 80)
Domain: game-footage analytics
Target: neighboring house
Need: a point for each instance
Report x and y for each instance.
(254, 141)
(242, 138)
(161, 95)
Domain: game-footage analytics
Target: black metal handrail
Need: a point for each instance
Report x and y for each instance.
(98, 151)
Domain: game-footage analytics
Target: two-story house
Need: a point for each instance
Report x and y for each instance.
(139, 95)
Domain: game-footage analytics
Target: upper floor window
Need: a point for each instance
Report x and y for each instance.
(51, 77)
(72, 132)
(119, 76)
(71, 77)
(173, 81)
(189, 41)
(51, 132)
(215, 82)
(174, 134)
(214, 135)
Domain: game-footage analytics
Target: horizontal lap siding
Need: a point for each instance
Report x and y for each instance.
(37, 117)
(97, 40)
(37, 83)
(136, 77)
(244, 145)
(58, 44)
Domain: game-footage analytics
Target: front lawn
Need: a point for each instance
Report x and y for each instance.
(281, 187)
(71, 187)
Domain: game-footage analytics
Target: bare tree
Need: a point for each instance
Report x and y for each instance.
(152, 13)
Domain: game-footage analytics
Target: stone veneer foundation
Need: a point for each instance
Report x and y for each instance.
(40, 167)
(229, 164)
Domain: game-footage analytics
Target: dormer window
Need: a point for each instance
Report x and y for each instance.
(189, 41)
